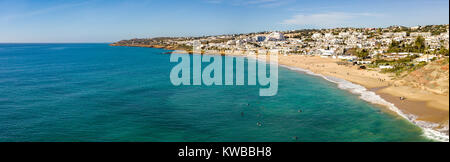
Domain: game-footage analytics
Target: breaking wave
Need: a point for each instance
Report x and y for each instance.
(429, 129)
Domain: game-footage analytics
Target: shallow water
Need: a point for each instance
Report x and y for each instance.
(94, 92)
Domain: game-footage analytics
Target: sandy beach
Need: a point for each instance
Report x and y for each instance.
(425, 105)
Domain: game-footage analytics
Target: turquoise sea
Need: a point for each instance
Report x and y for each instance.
(94, 92)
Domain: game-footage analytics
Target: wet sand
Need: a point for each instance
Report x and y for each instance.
(417, 108)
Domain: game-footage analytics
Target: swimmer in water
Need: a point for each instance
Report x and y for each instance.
(258, 124)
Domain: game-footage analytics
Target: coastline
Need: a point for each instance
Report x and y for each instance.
(432, 129)
(425, 109)
(422, 108)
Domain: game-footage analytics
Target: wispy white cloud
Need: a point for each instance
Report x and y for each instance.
(257, 3)
(327, 19)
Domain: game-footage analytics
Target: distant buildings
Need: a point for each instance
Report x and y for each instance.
(275, 36)
(316, 36)
(340, 43)
(423, 34)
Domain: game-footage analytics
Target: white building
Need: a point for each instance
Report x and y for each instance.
(364, 62)
(326, 52)
(328, 35)
(386, 67)
(316, 35)
(344, 34)
(423, 34)
(400, 34)
(275, 36)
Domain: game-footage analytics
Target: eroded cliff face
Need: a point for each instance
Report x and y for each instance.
(433, 77)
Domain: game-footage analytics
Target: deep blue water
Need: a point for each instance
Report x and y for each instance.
(94, 92)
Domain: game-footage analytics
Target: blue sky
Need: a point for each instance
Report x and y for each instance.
(113, 20)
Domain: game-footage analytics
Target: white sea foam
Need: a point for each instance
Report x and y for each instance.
(430, 130)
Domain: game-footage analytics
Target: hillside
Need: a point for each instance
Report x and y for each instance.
(433, 77)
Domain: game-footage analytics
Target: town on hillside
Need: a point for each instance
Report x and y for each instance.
(393, 49)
